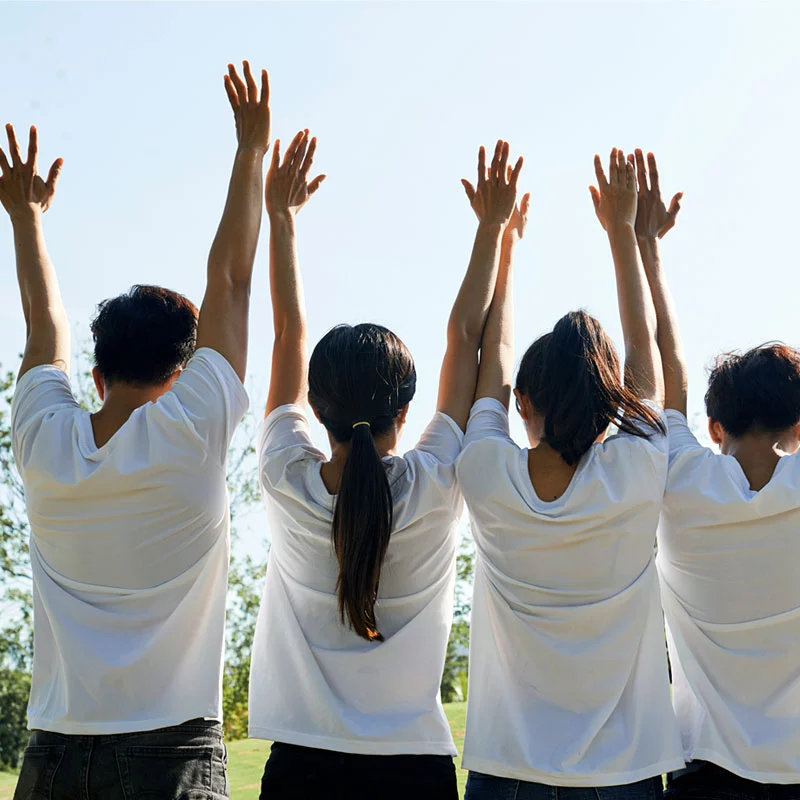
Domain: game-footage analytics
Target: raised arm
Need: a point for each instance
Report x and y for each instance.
(25, 196)
(497, 345)
(288, 190)
(223, 320)
(493, 201)
(653, 220)
(615, 204)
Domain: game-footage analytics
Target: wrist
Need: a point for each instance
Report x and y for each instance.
(280, 216)
(26, 214)
(492, 227)
(617, 230)
(251, 150)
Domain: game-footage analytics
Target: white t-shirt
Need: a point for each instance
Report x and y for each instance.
(313, 681)
(129, 551)
(729, 560)
(568, 681)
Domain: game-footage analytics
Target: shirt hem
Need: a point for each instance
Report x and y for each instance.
(110, 728)
(561, 779)
(785, 778)
(354, 746)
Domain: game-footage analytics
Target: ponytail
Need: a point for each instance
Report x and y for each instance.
(359, 380)
(362, 524)
(572, 379)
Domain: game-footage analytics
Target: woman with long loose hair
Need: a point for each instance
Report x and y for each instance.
(568, 683)
(357, 607)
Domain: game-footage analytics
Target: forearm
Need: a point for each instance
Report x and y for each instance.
(637, 313)
(38, 283)
(471, 307)
(497, 345)
(285, 281)
(234, 248)
(47, 335)
(668, 335)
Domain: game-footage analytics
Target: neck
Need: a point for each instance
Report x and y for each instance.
(386, 445)
(758, 455)
(119, 402)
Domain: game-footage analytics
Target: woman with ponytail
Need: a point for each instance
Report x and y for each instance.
(354, 622)
(568, 683)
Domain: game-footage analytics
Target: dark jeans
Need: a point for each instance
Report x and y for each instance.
(488, 787)
(304, 773)
(185, 761)
(701, 779)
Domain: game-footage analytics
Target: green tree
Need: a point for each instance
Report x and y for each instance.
(456, 665)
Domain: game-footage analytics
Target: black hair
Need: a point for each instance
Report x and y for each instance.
(755, 391)
(572, 378)
(144, 335)
(361, 374)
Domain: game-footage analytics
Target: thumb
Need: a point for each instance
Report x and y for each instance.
(315, 184)
(525, 204)
(593, 191)
(675, 204)
(55, 171)
(469, 189)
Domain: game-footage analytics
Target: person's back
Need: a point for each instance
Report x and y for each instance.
(569, 685)
(728, 555)
(354, 623)
(129, 550)
(128, 506)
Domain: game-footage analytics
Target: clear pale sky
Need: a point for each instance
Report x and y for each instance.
(400, 96)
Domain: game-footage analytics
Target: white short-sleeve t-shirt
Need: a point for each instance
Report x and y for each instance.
(313, 681)
(568, 681)
(729, 561)
(129, 551)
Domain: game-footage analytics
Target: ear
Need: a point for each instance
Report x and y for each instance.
(400, 419)
(99, 383)
(316, 416)
(172, 378)
(715, 431)
(523, 405)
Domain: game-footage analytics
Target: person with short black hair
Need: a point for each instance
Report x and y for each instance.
(568, 680)
(728, 552)
(128, 506)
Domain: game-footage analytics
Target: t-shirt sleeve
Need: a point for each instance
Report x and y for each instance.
(681, 438)
(284, 446)
(41, 392)
(212, 398)
(442, 440)
(488, 446)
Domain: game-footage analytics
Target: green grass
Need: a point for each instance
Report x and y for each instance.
(246, 760)
(8, 780)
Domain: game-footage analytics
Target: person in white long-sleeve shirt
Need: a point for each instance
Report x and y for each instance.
(568, 682)
(728, 557)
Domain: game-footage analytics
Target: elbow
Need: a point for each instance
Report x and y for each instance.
(462, 334)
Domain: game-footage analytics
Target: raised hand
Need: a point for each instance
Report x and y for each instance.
(252, 114)
(288, 188)
(494, 198)
(653, 219)
(519, 219)
(21, 186)
(615, 199)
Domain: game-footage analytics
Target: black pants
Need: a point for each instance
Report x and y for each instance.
(702, 780)
(304, 773)
(185, 760)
